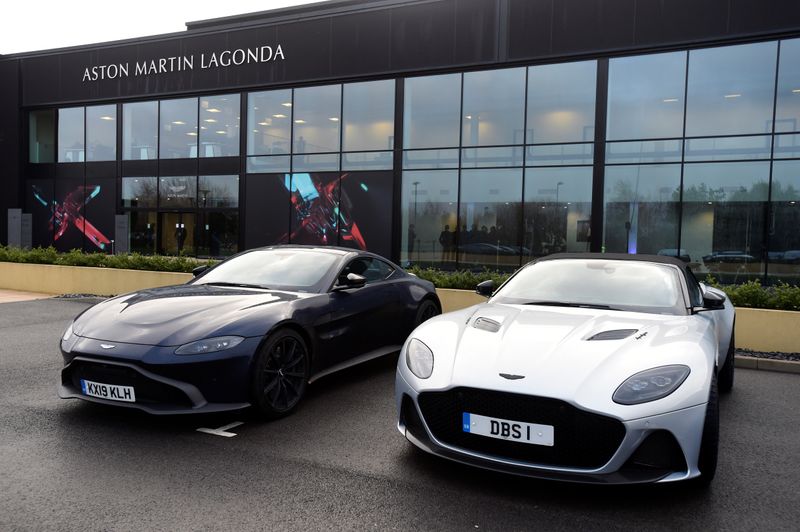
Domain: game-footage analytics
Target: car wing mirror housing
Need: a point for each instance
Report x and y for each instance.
(711, 301)
(486, 288)
(353, 280)
(199, 270)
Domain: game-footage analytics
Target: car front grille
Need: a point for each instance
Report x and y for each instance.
(583, 440)
(146, 389)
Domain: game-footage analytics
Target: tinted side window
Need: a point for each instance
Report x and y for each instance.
(372, 269)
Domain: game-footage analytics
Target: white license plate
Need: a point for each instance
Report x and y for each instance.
(504, 429)
(108, 391)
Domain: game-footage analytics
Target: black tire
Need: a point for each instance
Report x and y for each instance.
(726, 373)
(280, 374)
(709, 446)
(426, 310)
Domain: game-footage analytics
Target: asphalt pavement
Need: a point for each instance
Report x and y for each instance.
(338, 463)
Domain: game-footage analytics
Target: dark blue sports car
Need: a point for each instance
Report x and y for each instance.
(253, 330)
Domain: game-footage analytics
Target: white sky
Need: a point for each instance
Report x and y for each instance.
(31, 25)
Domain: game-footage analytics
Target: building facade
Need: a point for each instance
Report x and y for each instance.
(451, 133)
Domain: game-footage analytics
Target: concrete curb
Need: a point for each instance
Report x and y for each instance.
(768, 364)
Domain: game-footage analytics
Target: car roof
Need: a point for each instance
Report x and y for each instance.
(335, 250)
(657, 259)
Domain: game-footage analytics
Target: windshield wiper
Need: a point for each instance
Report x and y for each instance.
(571, 305)
(237, 285)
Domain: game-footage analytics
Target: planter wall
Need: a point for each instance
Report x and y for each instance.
(757, 329)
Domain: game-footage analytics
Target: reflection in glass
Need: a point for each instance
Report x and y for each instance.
(41, 136)
(728, 148)
(424, 159)
(722, 225)
(644, 151)
(70, 135)
(494, 107)
(642, 209)
(219, 126)
(787, 110)
(787, 146)
(431, 116)
(559, 154)
(215, 191)
(784, 238)
(491, 157)
(269, 119)
(428, 210)
(316, 119)
(177, 192)
(142, 227)
(320, 162)
(268, 164)
(490, 213)
(218, 234)
(561, 102)
(646, 96)
(368, 115)
(371, 160)
(139, 191)
(178, 138)
(558, 207)
(177, 233)
(101, 133)
(731, 90)
(140, 131)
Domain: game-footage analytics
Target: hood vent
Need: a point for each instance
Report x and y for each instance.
(617, 334)
(486, 324)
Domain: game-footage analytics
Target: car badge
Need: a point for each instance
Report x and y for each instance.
(512, 377)
(107, 346)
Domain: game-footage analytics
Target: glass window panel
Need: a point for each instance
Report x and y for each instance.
(177, 192)
(646, 96)
(558, 154)
(491, 157)
(428, 209)
(784, 239)
(728, 148)
(218, 234)
(316, 119)
(432, 107)
(731, 90)
(219, 126)
(490, 213)
(315, 204)
(558, 208)
(561, 102)
(645, 151)
(787, 110)
(101, 133)
(787, 146)
(215, 191)
(421, 159)
(641, 209)
(140, 131)
(269, 119)
(722, 225)
(70, 135)
(368, 115)
(270, 164)
(42, 136)
(178, 138)
(139, 191)
(321, 162)
(371, 160)
(494, 107)
(142, 227)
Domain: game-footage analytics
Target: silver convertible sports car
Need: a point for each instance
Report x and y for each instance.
(595, 368)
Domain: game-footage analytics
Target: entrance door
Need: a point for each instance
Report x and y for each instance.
(177, 233)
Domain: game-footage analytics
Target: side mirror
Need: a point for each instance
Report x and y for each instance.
(353, 280)
(200, 269)
(713, 301)
(486, 288)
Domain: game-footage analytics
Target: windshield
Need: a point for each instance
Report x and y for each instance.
(614, 284)
(284, 269)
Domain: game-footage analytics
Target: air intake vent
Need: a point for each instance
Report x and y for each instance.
(485, 324)
(617, 334)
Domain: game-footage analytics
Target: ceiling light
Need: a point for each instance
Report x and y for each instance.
(221, 132)
(106, 118)
(263, 123)
(255, 131)
(468, 117)
(179, 123)
(203, 127)
(210, 120)
(796, 91)
(213, 110)
(299, 121)
(192, 134)
(334, 119)
(279, 115)
(732, 95)
(287, 104)
(669, 100)
(710, 203)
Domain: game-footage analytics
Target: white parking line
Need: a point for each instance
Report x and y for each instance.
(222, 431)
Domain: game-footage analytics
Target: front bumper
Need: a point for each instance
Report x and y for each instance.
(659, 448)
(164, 383)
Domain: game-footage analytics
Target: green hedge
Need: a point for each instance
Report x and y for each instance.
(131, 261)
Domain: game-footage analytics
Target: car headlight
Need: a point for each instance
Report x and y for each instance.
(650, 384)
(67, 333)
(209, 345)
(419, 358)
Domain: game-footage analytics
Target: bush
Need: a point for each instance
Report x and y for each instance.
(751, 294)
(460, 279)
(131, 261)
